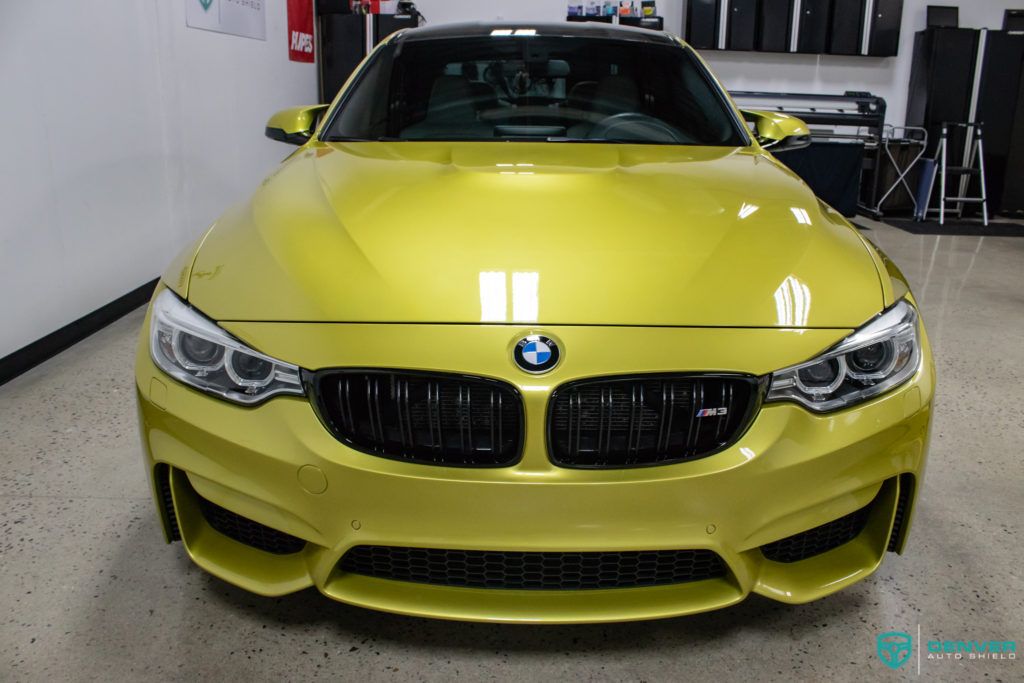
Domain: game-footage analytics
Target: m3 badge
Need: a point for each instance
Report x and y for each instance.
(712, 412)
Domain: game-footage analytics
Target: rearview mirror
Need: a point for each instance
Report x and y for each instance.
(777, 131)
(295, 126)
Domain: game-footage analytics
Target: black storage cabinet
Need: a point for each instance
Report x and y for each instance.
(386, 24)
(702, 19)
(741, 33)
(1012, 200)
(815, 17)
(1001, 109)
(884, 31)
(823, 26)
(847, 27)
(1013, 20)
(941, 78)
(941, 86)
(774, 25)
(941, 83)
(342, 36)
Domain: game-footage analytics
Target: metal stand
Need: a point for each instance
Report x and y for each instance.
(896, 135)
(974, 154)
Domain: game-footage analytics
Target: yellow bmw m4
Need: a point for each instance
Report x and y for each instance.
(534, 328)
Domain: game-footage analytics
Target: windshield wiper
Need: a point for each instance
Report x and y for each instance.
(600, 140)
(340, 138)
(613, 141)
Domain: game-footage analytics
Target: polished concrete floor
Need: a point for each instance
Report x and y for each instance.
(90, 592)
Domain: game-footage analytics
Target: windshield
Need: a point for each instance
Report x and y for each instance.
(561, 89)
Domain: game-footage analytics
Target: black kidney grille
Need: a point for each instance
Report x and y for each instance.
(533, 570)
(818, 540)
(648, 420)
(427, 418)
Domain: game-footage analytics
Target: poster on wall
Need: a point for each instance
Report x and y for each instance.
(246, 18)
(300, 30)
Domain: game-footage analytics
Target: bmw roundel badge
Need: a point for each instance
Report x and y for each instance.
(536, 354)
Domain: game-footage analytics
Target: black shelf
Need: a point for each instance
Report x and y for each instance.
(598, 19)
(652, 23)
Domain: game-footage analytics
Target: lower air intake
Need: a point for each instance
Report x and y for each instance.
(162, 475)
(533, 570)
(245, 530)
(818, 540)
(902, 509)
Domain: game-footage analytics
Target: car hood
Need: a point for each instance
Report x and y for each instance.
(535, 233)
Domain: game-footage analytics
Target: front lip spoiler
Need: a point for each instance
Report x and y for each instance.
(747, 572)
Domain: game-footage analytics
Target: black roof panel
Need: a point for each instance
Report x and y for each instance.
(582, 29)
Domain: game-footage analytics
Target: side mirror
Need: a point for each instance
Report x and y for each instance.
(777, 131)
(296, 125)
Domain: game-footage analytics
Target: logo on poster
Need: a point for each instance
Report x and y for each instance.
(246, 18)
(300, 31)
(302, 42)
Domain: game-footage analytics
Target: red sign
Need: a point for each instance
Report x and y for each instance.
(300, 30)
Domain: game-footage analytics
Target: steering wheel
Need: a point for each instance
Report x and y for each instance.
(636, 126)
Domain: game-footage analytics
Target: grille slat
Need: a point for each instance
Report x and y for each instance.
(429, 418)
(609, 413)
(635, 426)
(399, 411)
(408, 437)
(648, 419)
(727, 402)
(434, 417)
(533, 570)
(668, 399)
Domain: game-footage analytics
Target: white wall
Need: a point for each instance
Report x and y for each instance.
(125, 135)
(886, 77)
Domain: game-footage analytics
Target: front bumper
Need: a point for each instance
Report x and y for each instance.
(791, 472)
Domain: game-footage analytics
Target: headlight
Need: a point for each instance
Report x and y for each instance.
(878, 357)
(195, 351)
